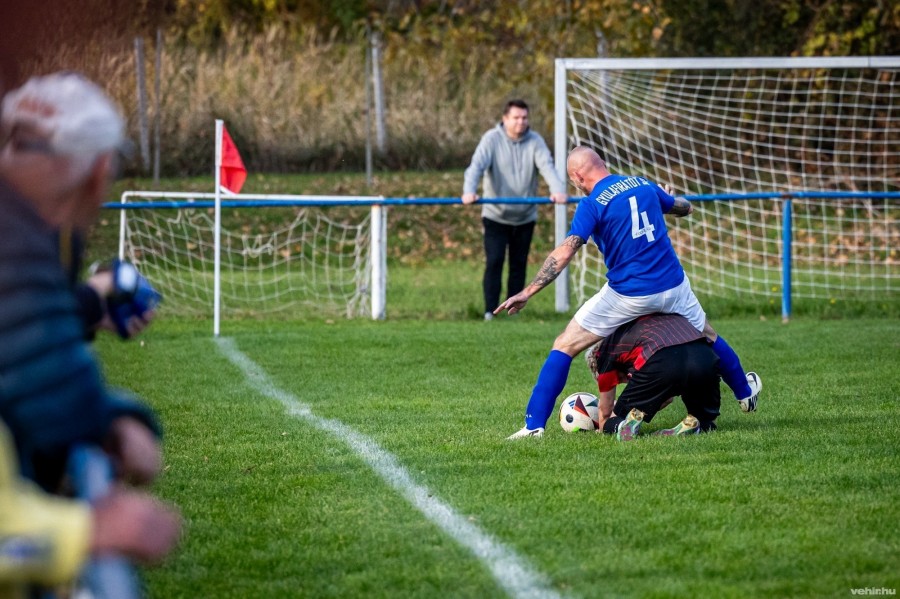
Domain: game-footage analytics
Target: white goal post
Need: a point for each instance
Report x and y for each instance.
(301, 253)
(282, 256)
(793, 165)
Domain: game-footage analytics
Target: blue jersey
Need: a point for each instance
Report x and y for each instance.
(624, 216)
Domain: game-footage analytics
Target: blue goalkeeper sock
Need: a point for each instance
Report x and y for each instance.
(550, 384)
(731, 369)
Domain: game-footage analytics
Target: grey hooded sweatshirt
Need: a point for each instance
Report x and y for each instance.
(510, 168)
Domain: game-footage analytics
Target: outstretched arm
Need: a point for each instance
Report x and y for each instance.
(481, 161)
(553, 265)
(681, 207)
(607, 399)
(544, 163)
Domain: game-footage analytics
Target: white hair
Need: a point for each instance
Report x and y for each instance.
(78, 119)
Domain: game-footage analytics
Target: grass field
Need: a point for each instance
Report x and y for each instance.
(321, 457)
(367, 459)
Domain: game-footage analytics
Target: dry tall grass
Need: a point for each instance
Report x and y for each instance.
(297, 103)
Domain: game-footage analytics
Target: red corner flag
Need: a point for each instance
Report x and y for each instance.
(232, 172)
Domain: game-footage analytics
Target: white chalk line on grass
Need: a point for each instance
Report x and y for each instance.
(510, 571)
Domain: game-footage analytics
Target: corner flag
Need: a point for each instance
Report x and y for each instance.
(230, 175)
(231, 167)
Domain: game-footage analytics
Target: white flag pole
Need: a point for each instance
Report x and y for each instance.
(217, 243)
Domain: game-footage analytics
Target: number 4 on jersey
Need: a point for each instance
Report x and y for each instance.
(636, 229)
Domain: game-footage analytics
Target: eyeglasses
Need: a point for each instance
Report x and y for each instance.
(23, 141)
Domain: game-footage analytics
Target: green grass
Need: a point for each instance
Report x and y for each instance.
(797, 500)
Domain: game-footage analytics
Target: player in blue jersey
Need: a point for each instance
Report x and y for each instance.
(624, 216)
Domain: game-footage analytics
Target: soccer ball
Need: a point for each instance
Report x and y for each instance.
(579, 412)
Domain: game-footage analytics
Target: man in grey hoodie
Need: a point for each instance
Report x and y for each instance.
(509, 157)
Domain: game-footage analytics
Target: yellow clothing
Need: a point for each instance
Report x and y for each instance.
(43, 539)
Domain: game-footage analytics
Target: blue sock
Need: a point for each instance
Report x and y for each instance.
(731, 369)
(550, 384)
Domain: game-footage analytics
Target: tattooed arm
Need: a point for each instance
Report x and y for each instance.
(681, 207)
(556, 262)
(553, 265)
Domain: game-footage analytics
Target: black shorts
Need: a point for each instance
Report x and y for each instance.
(689, 370)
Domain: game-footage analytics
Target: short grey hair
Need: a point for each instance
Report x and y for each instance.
(78, 120)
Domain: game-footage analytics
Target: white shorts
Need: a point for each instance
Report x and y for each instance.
(607, 310)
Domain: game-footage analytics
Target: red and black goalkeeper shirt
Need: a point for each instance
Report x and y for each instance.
(632, 344)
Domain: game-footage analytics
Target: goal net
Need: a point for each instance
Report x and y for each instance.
(294, 256)
(793, 166)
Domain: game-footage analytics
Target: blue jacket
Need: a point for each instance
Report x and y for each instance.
(51, 391)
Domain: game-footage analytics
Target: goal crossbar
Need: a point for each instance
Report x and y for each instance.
(759, 62)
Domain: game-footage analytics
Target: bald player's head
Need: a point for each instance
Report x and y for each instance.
(585, 168)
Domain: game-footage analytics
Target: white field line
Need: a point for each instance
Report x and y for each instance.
(510, 571)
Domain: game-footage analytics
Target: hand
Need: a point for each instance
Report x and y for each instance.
(559, 198)
(102, 283)
(514, 304)
(469, 198)
(133, 301)
(134, 525)
(136, 449)
(668, 189)
(134, 326)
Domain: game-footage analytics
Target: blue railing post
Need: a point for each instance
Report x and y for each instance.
(786, 237)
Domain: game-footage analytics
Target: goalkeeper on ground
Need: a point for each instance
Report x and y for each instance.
(658, 357)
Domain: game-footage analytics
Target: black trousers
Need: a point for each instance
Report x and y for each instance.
(497, 238)
(689, 370)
